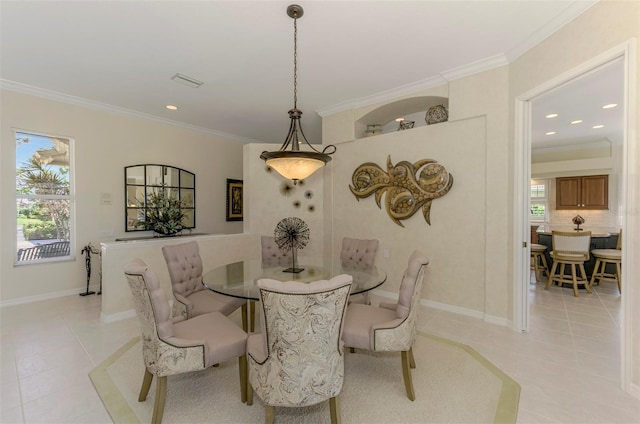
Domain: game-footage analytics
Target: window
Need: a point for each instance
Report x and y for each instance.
(44, 204)
(538, 211)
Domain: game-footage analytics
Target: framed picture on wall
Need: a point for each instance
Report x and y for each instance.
(235, 208)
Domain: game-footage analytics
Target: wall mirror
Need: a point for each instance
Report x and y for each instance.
(141, 180)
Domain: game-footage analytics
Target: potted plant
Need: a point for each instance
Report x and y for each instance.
(164, 213)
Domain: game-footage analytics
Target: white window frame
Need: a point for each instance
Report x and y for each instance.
(70, 197)
(541, 200)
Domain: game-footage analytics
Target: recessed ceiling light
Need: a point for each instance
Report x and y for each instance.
(577, 121)
(597, 126)
(171, 107)
(552, 115)
(399, 119)
(609, 106)
(550, 133)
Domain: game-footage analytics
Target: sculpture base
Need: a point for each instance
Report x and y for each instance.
(87, 293)
(293, 270)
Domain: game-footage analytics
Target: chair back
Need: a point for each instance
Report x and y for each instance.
(185, 267)
(411, 284)
(571, 245)
(272, 255)
(303, 325)
(358, 253)
(152, 308)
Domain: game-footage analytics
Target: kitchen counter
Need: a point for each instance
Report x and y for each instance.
(595, 231)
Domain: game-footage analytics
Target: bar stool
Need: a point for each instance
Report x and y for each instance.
(538, 260)
(604, 257)
(569, 248)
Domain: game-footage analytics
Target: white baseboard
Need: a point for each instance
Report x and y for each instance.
(451, 308)
(109, 318)
(46, 296)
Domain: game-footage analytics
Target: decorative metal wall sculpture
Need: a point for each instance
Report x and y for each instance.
(409, 187)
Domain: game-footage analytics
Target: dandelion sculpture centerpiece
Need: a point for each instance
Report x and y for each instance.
(292, 234)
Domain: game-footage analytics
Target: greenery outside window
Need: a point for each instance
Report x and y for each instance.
(44, 198)
(148, 184)
(539, 193)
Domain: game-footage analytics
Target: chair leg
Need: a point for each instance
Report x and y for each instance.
(584, 276)
(269, 412)
(252, 315)
(146, 384)
(575, 280)
(544, 262)
(412, 360)
(245, 326)
(242, 363)
(334, 407)
(552, 275)
(249, 392)
(161, 396)
(596, 271)
(619, 276)
(406, 373)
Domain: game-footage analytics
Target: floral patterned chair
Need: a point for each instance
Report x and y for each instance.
(358, 254)
(298, 359)
(175, 345)
(191, 297)
(391, 326)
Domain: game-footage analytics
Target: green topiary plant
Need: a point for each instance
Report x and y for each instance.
(164, 212)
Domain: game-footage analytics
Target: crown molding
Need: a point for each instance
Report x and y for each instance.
(383, 96)
(571, 12)
(91, 104)
(476, 67)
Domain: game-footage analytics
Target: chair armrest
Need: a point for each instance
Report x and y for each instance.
(388, 305)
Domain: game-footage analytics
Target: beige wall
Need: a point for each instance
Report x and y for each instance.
(105, 143)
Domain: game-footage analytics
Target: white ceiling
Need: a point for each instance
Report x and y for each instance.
(121, 55)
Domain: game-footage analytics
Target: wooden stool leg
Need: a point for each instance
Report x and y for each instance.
(552, 275)
(584, 276)
(596, 269)
(575, 280)
(544, 263)
(619, 276)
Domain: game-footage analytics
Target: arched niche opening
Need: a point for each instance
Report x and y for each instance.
(411, 109)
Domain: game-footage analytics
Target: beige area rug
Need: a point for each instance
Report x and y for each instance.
(453, 384)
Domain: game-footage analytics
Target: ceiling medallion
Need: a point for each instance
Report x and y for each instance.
(296, 164)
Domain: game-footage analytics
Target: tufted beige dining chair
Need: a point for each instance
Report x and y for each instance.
(174, 345)
(604, 257)
(272, 255)
(191, 297)
(569, 248)
(390, 327)
(358, 254)
(298, 359)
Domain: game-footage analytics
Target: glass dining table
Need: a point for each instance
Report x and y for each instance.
(239, 279)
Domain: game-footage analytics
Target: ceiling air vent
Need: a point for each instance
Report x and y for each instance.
(186, 80)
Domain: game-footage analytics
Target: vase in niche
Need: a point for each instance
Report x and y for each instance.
(436, 114)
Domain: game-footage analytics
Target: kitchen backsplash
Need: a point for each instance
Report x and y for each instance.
(608, 218)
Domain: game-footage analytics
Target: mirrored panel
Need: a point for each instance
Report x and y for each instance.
(144, 191)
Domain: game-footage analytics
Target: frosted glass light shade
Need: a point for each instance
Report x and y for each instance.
(295, 167)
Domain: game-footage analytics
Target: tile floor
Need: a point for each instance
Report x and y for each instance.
(568, 365)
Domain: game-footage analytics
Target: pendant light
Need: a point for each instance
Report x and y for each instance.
(296, 164)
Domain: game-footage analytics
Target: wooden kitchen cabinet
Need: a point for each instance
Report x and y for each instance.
(586, 193)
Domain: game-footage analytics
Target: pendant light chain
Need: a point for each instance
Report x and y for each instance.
(295, 63)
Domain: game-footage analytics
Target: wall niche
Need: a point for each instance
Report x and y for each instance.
(382, 120)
